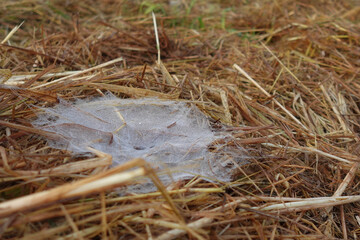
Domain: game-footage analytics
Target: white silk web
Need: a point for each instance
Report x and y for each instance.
(168, 134)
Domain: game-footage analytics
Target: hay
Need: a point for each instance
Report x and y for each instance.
(282, 76)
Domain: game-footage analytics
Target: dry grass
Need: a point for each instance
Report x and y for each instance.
(284, 72)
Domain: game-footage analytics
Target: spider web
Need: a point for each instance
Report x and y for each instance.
(171, 135)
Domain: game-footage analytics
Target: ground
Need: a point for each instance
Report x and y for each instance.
(282, 77)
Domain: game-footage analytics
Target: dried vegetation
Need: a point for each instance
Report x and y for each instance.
(285, 73)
